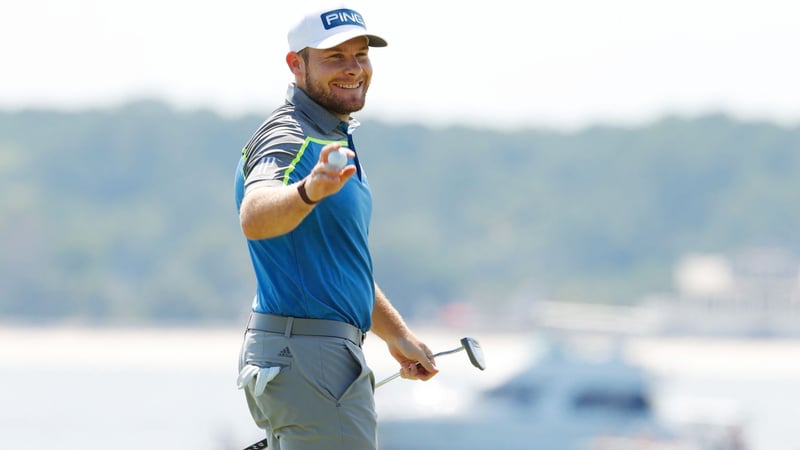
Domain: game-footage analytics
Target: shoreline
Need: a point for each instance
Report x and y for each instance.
(192, 346)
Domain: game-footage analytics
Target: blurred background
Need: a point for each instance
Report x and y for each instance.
(603, 194)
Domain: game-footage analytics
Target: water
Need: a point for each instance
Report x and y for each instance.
(122, 389)
(80, 389)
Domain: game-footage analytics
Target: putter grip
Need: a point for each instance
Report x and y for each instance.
(258, 445)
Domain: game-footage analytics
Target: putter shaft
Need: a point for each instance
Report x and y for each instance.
(446, 352)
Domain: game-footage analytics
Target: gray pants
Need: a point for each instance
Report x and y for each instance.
(321, 399)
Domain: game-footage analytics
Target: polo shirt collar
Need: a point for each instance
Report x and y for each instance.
(316, 113)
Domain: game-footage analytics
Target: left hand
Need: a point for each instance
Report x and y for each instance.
(415, 358)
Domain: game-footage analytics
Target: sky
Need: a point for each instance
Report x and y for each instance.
(501, 64)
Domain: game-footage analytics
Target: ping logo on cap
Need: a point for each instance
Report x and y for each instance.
(338, 17)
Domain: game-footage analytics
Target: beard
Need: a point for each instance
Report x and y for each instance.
(340, 105)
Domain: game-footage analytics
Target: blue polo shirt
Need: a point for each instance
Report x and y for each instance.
(322, 269)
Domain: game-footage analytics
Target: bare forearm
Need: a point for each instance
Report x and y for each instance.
(412, 354)
(276, 210)
(387, 323)
(272, 211)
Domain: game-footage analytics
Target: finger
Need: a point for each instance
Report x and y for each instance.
(347, 172)
(408, 370)
(428, 362)
(416, 371)
(424, 374)
(334, 175)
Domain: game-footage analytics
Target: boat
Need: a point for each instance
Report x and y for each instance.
(561, 401)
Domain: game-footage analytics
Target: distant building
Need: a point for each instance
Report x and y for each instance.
(755, 293)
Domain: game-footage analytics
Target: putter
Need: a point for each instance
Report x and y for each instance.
(472, 347)
(474, 352)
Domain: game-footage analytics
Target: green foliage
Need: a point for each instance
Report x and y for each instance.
(128, 215)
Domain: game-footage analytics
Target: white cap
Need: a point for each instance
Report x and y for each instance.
(326, 29)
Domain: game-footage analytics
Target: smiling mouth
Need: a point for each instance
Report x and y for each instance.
(348, 86)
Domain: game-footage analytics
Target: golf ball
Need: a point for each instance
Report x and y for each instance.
(337, 159)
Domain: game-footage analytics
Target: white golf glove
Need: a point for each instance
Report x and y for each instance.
(256, 378)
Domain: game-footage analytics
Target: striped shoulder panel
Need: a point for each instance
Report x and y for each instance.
(306, 143)
(280, 131)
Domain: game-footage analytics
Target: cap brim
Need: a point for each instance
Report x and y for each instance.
(336, 39)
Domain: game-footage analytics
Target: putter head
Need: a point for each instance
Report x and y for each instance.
(474, 352)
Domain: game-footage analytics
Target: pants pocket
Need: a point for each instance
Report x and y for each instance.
(332, 367)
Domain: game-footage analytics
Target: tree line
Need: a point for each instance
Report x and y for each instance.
(126, 214)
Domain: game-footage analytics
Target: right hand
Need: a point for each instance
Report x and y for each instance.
(324, 180)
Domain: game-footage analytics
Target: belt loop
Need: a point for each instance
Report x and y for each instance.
(288, 331)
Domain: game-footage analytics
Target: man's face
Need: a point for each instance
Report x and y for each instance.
(338, 78)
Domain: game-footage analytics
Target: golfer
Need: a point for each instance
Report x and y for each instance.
(306, 222)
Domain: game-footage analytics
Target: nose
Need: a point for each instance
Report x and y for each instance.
(354, 66)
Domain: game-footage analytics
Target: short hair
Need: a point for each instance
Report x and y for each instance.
(304, 54)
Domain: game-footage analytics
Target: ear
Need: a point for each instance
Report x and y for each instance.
(295, 63)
